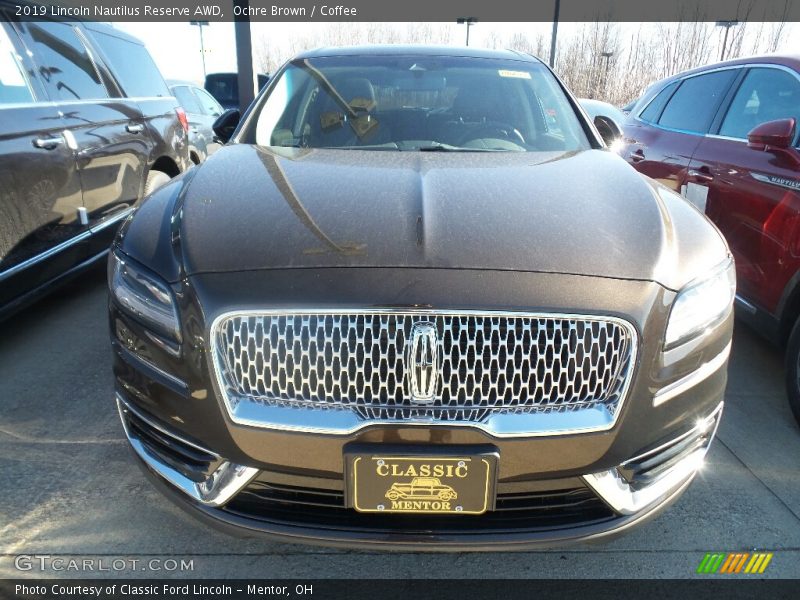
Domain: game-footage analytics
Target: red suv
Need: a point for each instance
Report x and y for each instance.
(726, 137)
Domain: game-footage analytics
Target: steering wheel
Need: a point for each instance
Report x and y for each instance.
(506, 131)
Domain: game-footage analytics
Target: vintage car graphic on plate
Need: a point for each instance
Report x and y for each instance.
(421, 488)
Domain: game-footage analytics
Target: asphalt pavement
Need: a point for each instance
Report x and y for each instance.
(71, 489)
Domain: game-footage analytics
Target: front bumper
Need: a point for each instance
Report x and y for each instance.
(248, 501)
(551, 489)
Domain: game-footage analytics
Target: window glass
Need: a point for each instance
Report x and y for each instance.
(14, 87)
(693, 106)
(224, 87)
(133, 66)
(765, 95)
(653, 110)
(210, 106)
(64, 63)
(186, 99)
(413, 102)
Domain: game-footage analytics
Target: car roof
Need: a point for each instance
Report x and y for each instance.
(416, 50)
(109, 29)
(593, 102)
(176, 82)
(228, 74)
(598, 107)
(791, 61)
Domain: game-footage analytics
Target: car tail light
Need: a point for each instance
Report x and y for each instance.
(182, 118)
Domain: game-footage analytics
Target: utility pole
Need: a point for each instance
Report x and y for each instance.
(554, 35)
(200, 25)
(607, 55)
(727, 25)
(469, 22)
(244, 55)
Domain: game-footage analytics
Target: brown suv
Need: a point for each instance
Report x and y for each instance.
(418, 267)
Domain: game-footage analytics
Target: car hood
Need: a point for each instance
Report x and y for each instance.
(585, 213)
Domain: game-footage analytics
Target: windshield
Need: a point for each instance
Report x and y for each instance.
(418, 103)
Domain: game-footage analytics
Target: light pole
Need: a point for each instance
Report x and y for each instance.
(469, 22)
(607, 55)
(200, 25)
(727, 25)
(554, 35)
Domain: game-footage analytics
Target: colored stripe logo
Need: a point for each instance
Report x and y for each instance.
(734, 562)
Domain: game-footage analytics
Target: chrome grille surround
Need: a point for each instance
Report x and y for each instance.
(508, 373)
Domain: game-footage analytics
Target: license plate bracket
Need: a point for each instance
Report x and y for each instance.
(441, 480)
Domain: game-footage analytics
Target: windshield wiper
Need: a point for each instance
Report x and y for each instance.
(438, 147)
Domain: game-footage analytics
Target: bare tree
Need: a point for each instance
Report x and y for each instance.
(588, 61)
(425, 33)
(603, 60)
(535, 45)
(494, 40)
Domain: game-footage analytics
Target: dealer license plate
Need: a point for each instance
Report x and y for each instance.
(459, 485)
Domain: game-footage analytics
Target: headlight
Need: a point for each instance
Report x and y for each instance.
(144, 296)
(701, 304)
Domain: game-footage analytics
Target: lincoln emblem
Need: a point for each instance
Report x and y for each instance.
(422, 362)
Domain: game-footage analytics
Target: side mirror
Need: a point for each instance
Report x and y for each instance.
(225, 125)
(608, 129)
(774, 134)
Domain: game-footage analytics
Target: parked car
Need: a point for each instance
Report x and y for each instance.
(416, 262)
(87, 127)
(629, 106)
(598, 108)
(225, 87)
(726, 136)
(201, 110)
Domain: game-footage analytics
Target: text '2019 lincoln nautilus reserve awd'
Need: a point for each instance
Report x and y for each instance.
(414, 302)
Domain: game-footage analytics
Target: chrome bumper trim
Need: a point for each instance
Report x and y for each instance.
(687, 382)
(222, 485)
(345, 422)
(627, 499)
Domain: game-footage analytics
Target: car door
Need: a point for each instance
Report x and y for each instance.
(41, 234)
(753, 195)
(105, 130)
(661, 140)
(211, 111)
(138, 77)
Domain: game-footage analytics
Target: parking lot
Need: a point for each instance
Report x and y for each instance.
(71, 488)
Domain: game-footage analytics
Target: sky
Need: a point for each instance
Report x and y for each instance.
(176, 46)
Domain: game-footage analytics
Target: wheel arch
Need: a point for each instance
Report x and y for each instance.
(166, 165)
(788, 310)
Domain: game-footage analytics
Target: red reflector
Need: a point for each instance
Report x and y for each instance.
(182, 118)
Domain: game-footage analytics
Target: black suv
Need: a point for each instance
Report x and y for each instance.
(225, 88)
(87, 128)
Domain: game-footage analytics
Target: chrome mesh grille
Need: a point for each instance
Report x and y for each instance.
(487, 363)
